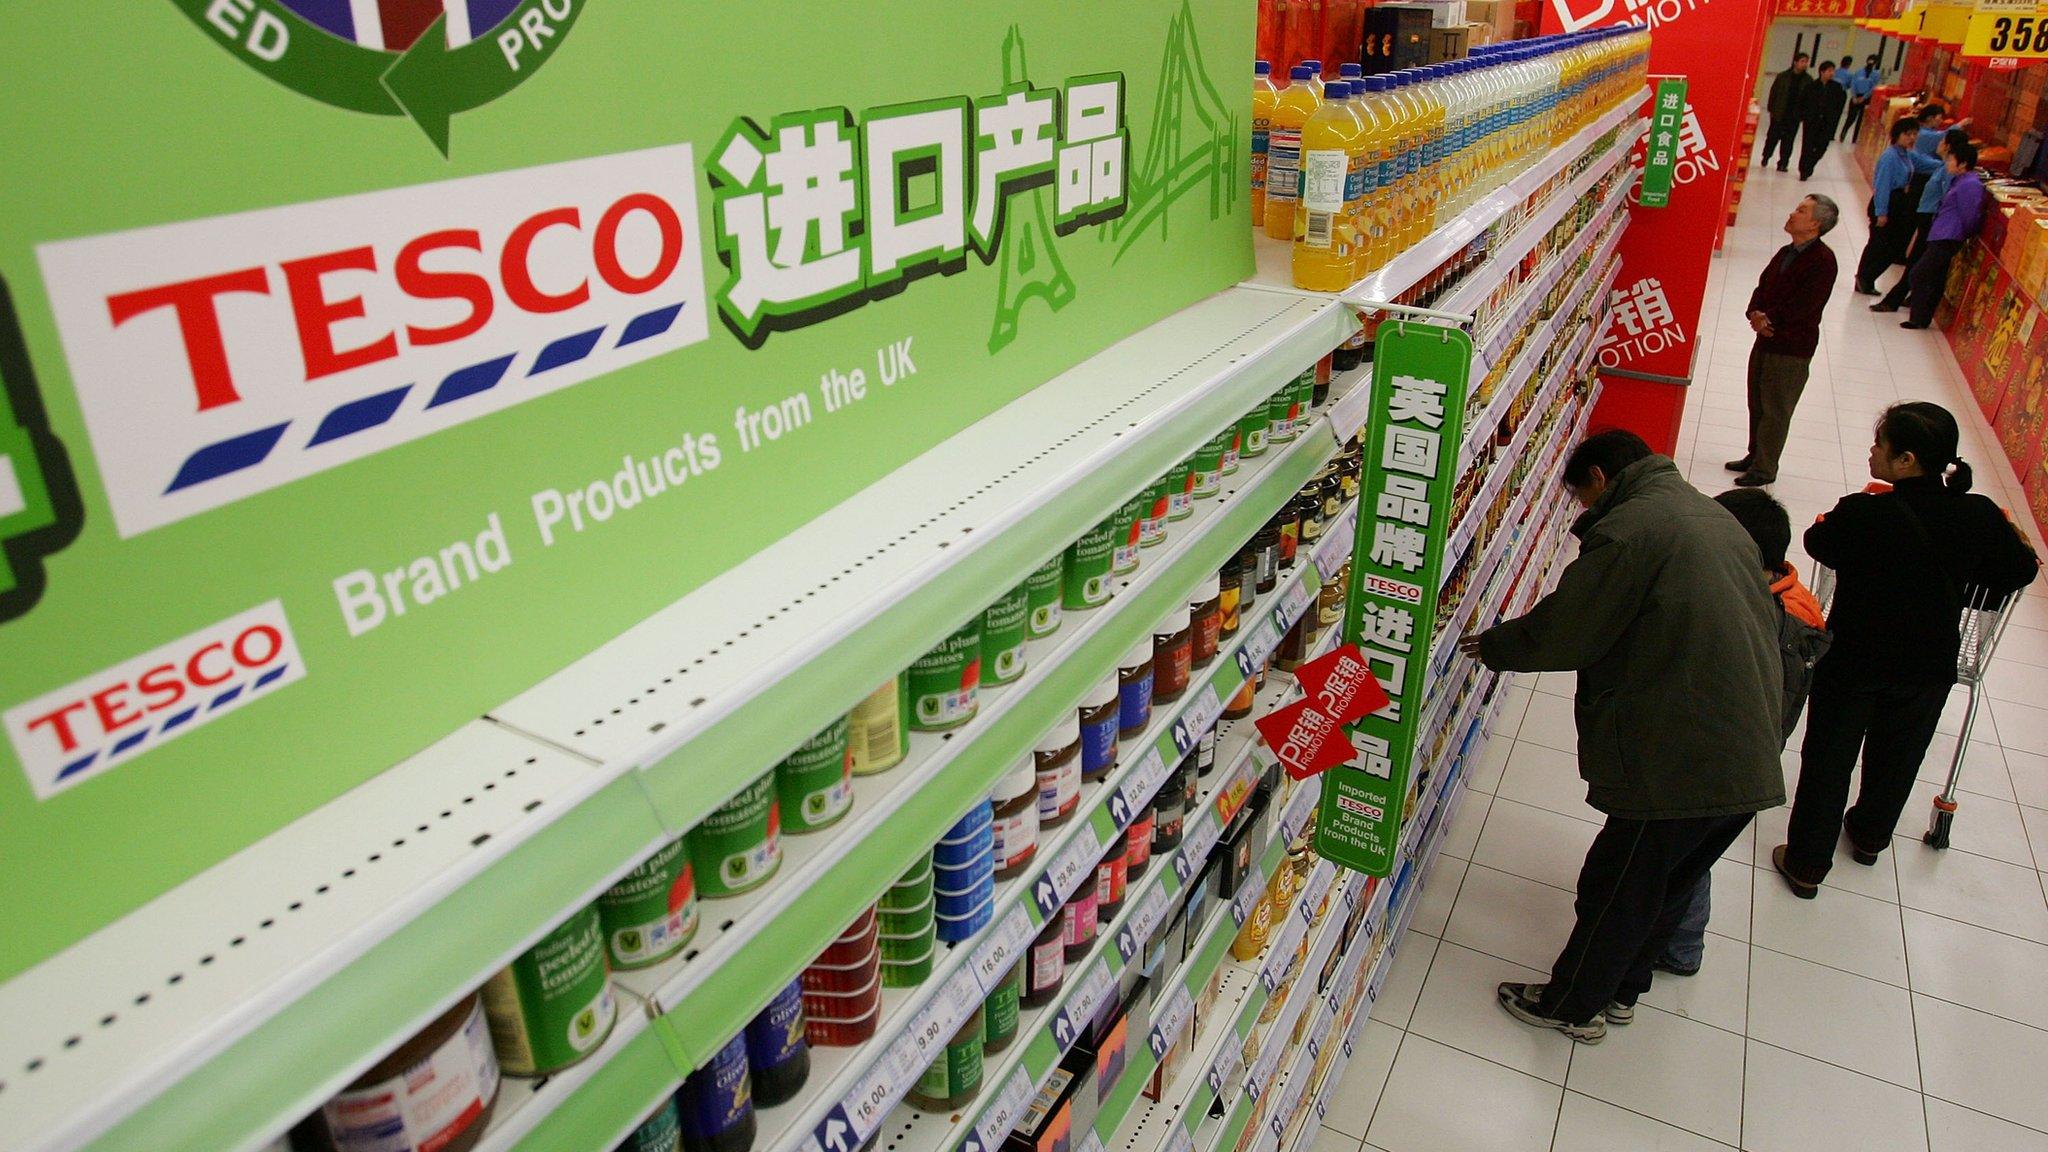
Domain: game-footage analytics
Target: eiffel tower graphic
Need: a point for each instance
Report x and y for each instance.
(1031, 264)
(1194, 139)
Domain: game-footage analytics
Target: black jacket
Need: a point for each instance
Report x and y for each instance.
(1897, 601)
(1822, 107)
(1667, 619)
(1793, 295)
(1787, 93)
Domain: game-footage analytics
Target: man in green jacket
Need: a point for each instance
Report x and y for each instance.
(1674, 638)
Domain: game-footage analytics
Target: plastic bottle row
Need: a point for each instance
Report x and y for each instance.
(1357, 170)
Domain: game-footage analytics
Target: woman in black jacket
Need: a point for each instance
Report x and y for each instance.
(1904, 562)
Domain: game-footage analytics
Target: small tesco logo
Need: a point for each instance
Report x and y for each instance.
(76, 732)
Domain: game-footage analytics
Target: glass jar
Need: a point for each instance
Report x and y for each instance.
(1016, 819)
(1134, 689)
(1099, 729)
(1205, 610)
(1172, 655)
(1057, 764)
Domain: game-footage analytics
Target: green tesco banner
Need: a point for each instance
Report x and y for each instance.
(366, 364)
(1420, 374)
(1660, 148)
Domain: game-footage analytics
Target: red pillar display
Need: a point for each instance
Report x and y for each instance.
(1653, 327)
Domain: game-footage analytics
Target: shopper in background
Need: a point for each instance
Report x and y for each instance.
(1802, 639)
(1958, 217)
(1861, 84)
(1786, 99)
(1903, 561)
(1784, 312)
(1892, 203)
(1673, 637)
(1931, 187)
(1824, 102)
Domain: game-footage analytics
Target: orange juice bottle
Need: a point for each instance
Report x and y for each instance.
(1332, 178)
(1265, 96)
(1283, 153)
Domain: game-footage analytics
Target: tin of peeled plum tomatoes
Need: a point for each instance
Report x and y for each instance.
(945, 682)
(814, 784)
(739, 846)
(554, 1004)
(1004, 628)
(1045, 586)
(651, 913)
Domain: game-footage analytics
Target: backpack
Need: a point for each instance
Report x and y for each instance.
(1800, 647)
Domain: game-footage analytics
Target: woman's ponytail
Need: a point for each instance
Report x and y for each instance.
(1959, 478)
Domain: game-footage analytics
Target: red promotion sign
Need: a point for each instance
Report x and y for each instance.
(1653, 327)
(1307, 736)
(1817, 9)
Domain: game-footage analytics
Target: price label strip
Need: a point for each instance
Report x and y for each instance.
(1196, 719)
(1293, 603)
(1280, 953)
(1090, 1143)
(854, 1118)
(1223, 1074)
(1138, 787)
(1248, 893)
(1301, 808)
(1258, 647)
(1166, 1029)
(994, 1125)
(1199, 840)
(1075, 862)
(1263, 1068)
(1145, 919)
(1318, 887)
(1089, 993)
(994, 957)
(1181, 1141)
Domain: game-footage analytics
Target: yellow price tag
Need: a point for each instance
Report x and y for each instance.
(2011, 30)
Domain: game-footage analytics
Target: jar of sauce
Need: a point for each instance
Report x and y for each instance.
(1134, 689)
(1171, 806)
(954, 1078)
(717, 1103)
(1000, 1010)
(436, 1090)
(1138, 843)
(1229, 595)
(1205, 760)
(1099, 729)
(1057, 764)
(1240, 705)
(778, 1059)
(1205, 610)
(1289, 521)
(1172, 655)
(1045, 965)
(1078, 923)
(1112, 876)
(1016, 819)
(1266, 559)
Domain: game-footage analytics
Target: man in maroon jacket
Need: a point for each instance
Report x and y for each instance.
(1784, 312)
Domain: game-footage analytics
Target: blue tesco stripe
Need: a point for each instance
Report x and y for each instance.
(127, 742)
(230, 455)
(470, 381)
(649, 324)
(567, 350)
(357, 415)
(77, 766)
(226, 698)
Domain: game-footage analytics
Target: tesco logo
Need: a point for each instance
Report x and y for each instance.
(219, 358)
(76, 732)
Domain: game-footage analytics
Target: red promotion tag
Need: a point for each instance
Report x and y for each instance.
(1341, 685)
(1305, 739)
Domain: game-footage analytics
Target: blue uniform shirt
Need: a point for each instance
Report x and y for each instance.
(1895, 168)
(1937, 184)
(1862, 83)
(1930, 139)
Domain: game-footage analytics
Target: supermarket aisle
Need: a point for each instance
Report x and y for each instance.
(1900, 1010)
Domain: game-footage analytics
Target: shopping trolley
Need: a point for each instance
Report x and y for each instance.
(1983, 621)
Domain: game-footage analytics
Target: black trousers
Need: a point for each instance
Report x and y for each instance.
(1634, 888)
(1887, 245)
(1776, 381)
(1917, 243)
(1813, 144)
(1783, 131)
(1921, 287)
(1852, 120)
(1891, 726)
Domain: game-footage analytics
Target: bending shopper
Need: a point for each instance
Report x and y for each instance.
(1673, 636)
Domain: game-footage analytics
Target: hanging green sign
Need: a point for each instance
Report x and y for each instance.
(1419, 378)
(343, 343)
(1660, 149)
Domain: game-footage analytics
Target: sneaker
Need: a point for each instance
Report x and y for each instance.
(1525, 1003)
(1620, 1015)
(1663, 965)
(1741, 465)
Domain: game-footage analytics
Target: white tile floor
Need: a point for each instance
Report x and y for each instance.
(1903, 1009)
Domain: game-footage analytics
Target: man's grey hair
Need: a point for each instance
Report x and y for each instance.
(1825, 212)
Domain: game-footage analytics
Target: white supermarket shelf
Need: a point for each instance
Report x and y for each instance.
(1275, 257)
(726, 642)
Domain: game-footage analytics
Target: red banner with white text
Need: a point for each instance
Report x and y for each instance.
(1653, 325)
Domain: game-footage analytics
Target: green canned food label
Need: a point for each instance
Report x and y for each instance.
(1233, 442)
(945, 682)
(1046, 588)
(554, 1005)
(956, 1073)
(999, 1012)
(1004, 628)
(1208, 465)
(1152, 528)
(1280, 416)
(650, 914)
(814, 786)
(662, 1132)
(1180, 490)
(1251, 432)
(739, 845)
(1088, 562)
(1129, 518)
(1304, 400)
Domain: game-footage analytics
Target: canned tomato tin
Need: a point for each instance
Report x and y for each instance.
(739, 846)
(1045, 587)
(1088, 562)
(1209, 464)
(1129, 519)
(945, 682)
(1158, 504)
(652, 912)
(1251, 433)
(1004, 628)
(878, 729)
(1180, 490)
(554, 1005)
(814, 784)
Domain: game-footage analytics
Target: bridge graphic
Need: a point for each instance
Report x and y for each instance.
(1195, 140)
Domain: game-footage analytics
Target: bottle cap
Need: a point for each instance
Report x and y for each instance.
(1209, 589)
(1065, 733)
(1300, 72)
(1139, 655)
(1262, 67)
(1176, 622)
(1104, 692)
(1350, 71)
(1336, 90)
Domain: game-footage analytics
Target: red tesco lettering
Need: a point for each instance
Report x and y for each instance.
(160, 687)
